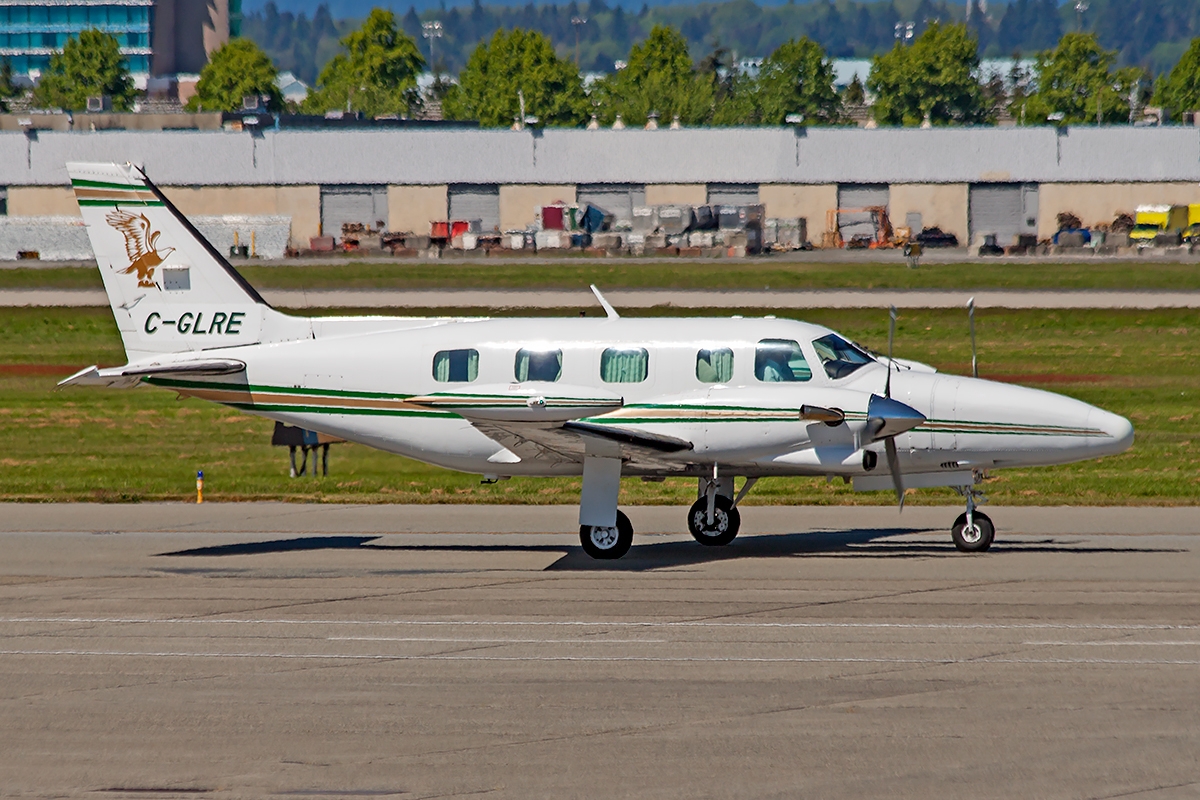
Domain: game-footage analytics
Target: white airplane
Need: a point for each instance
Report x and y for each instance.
(712, 399)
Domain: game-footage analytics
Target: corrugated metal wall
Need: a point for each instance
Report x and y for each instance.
(562, 157)
(1005, 209)
(860, 195)
(732, 194)
(615, 198)
(479, 201)
(365, 205)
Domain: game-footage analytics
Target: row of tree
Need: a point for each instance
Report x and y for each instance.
(935, 80)
(1149, 33)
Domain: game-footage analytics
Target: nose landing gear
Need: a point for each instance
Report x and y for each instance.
(973, 531)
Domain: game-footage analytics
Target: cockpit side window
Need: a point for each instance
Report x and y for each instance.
(779, 361)
(839, 357)
(715, 365)
(456, 366)
(538, 365)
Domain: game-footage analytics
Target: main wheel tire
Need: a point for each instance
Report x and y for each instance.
(602, 542)
(976, 539)
(726, 521)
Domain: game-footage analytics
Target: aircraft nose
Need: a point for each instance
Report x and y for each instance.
(1118, 432)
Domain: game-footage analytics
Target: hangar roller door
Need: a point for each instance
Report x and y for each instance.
(1005, 209)
(366, 205)
(618, 199)
(859, 195)
(479, 201)
(733, 194)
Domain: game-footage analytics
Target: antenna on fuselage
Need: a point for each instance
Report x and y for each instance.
(971, 320)
(608, 309)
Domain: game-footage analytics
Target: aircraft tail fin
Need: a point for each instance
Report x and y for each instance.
(170, 290)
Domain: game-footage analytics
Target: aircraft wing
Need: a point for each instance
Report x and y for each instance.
(541, 422)
(568, 442)
(132, 374)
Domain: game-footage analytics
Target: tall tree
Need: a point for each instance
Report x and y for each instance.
(234, 70)
(798, 79)
(90, 65)
(659, 78)
(1179, 91)
(8, 89)
(514, 64)
(1076, 79)
(936, 78)
(376, 75)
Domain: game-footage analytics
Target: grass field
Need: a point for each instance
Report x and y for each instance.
(733, 274)
(143, 444)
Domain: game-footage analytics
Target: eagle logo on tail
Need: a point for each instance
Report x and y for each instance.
(141, 245)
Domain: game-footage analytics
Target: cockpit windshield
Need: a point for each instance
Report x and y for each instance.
(839, 357)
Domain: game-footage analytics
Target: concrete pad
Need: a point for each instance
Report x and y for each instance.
(258, 650)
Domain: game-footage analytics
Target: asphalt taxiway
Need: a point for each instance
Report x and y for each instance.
(258, 650)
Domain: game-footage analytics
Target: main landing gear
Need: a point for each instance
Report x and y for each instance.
(973, 531)
(607, 541)
(714, 518)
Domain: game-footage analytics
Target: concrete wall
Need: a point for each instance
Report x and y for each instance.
(519, 204)
(1101, 202)
(301, 203)
(412, 208)
(943, 205)
(41, 201)
(810, 201)
(689, 194)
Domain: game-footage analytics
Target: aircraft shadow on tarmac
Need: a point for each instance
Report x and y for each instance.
(855, 543)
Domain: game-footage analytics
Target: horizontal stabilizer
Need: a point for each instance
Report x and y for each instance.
(132, 374)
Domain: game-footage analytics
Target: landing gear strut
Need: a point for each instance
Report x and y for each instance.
(714, 518)
(973, 531)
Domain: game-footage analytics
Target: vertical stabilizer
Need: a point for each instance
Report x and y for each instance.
(170, 290)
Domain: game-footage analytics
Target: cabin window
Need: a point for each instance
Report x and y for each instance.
(538, 365)
(838, 356)
(624, 365)
(779, 361)
(456, 366)
(714, 366)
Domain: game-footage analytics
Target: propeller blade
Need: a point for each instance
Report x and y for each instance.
(971, 318)
(887, 387)
(893, 462)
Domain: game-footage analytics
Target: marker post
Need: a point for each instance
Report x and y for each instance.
(199, 486)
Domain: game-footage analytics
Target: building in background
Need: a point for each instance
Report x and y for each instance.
(161, 39)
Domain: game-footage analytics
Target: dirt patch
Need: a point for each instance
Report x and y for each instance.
(1048, 377)
(37, 369)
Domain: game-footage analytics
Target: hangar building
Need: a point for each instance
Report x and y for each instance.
(967, 181)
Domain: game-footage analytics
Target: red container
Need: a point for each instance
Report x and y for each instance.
(439, 230)
(321, 244)
(552, 218)
(458, 227)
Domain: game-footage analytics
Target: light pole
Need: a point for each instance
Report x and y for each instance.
(904, 32)
(1080, 7)
(578, 22)
(432, 30)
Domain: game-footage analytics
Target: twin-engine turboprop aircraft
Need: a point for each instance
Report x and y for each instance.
(712, 399)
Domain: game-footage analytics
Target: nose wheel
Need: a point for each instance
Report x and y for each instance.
(604, 541)
(973, 531)
(975, 535)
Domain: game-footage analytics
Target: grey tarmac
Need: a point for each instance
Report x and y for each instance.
(651, 298)
(274, 650)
